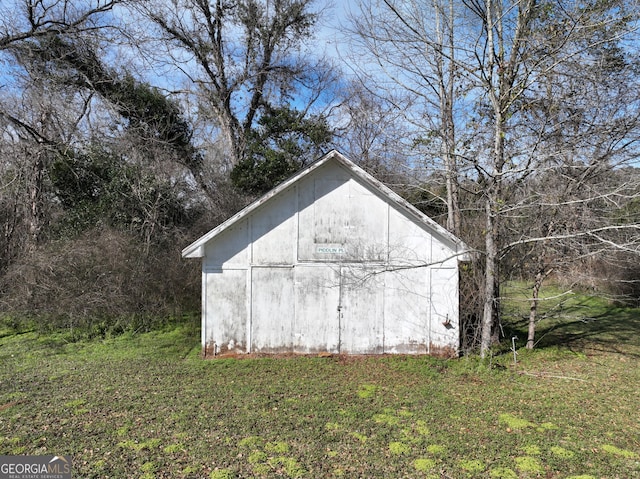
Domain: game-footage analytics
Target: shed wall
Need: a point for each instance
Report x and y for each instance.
(329, 265)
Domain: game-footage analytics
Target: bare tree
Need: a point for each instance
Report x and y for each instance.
(22, 20)
(414, 65)
(579, 116)
(506, 29)
(510, 58)
(39, 124)
(241, 57)
(37, 127)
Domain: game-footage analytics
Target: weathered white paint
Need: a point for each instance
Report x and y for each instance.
(330, 261)
(406, 311)
(224, 317)
(444, 306)
(317, 322)
(361, 307)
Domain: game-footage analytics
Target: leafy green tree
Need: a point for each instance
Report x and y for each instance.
(284, 141)
(98, 188)
(151, 131)
(149, 115)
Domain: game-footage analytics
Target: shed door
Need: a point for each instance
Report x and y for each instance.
(360, 311)
(272, 309)
(316, 327)
(225, 310)
(406, 311)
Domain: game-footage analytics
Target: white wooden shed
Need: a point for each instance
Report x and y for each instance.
(329, 261)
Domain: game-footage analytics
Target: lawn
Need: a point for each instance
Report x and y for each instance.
(146, 406)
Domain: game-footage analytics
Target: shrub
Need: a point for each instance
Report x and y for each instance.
(101, 282)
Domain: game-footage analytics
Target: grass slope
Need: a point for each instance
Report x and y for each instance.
(147, 406)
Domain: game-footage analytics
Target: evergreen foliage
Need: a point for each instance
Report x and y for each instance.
(100, 188)
(284, 142)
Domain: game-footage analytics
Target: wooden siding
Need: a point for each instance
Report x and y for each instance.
(330, 265)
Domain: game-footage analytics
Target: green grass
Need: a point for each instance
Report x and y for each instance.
(573, 320)
(147, 406)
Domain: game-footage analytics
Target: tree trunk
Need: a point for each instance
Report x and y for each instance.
(533, 310)
(35, 198)
(447, 76)
(493, 200)
(490, 281)
(449, 154)
(453, 208)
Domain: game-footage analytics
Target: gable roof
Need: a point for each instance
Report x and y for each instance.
(196, 249)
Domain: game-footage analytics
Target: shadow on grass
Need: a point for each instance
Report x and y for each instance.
(582, 326)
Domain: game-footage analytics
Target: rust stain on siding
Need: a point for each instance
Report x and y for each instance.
(213, 350)
(208, 353)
